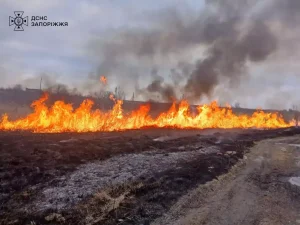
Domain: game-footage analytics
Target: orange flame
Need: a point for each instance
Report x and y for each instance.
(112, 97)
(61, 117)
(103, 80)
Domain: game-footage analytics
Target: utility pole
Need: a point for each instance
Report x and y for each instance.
(41, 83)
(296, 114)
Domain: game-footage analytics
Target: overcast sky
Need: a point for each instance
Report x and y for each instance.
(64, 52)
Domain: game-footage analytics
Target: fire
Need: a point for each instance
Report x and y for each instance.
(103, 80)
(112, 97)
(62, 117)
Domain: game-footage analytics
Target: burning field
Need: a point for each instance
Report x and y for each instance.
(104, 130)
(61, 165)
(61, 117)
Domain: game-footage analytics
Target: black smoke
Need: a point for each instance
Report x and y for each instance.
(233, 33)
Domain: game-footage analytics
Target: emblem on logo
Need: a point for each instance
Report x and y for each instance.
(18, 21)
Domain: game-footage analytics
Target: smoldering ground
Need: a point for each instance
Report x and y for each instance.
(224, 38)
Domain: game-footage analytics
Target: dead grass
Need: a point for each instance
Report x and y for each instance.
(55, 217)
(106, 202)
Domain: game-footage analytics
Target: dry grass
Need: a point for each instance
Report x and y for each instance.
(106, 202)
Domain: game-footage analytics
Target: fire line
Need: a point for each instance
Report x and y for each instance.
(62, 117)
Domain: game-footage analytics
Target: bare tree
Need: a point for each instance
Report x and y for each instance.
(294, 107)
(102, 94)
(237, 105)
(61, 89)
(119, 93)
(18, 87)
(132, 98)
(182, 97)
(296, 114)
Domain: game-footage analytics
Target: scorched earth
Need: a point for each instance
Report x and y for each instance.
(131, 177)
(57, 168)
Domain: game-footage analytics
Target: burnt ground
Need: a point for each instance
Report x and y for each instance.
(130, 177)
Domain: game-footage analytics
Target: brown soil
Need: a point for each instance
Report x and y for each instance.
(256, 191)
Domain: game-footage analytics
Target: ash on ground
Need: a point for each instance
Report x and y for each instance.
(131, 177)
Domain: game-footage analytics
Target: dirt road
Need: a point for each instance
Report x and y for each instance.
(263, 189)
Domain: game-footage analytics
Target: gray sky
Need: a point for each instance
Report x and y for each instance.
(70, 55)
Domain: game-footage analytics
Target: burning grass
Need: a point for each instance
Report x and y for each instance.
(62, 117)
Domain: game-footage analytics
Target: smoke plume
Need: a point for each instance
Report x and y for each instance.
(196, 50)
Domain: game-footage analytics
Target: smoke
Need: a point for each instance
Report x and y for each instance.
(158, 89)
(215, 44)
(196, 53)
(48, 82)
(228, 57)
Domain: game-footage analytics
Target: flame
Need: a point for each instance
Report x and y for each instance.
(103, 80)
(112, 97)
(61, 117)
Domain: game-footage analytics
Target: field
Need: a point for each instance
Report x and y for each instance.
(131, 177)
(147, 176)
